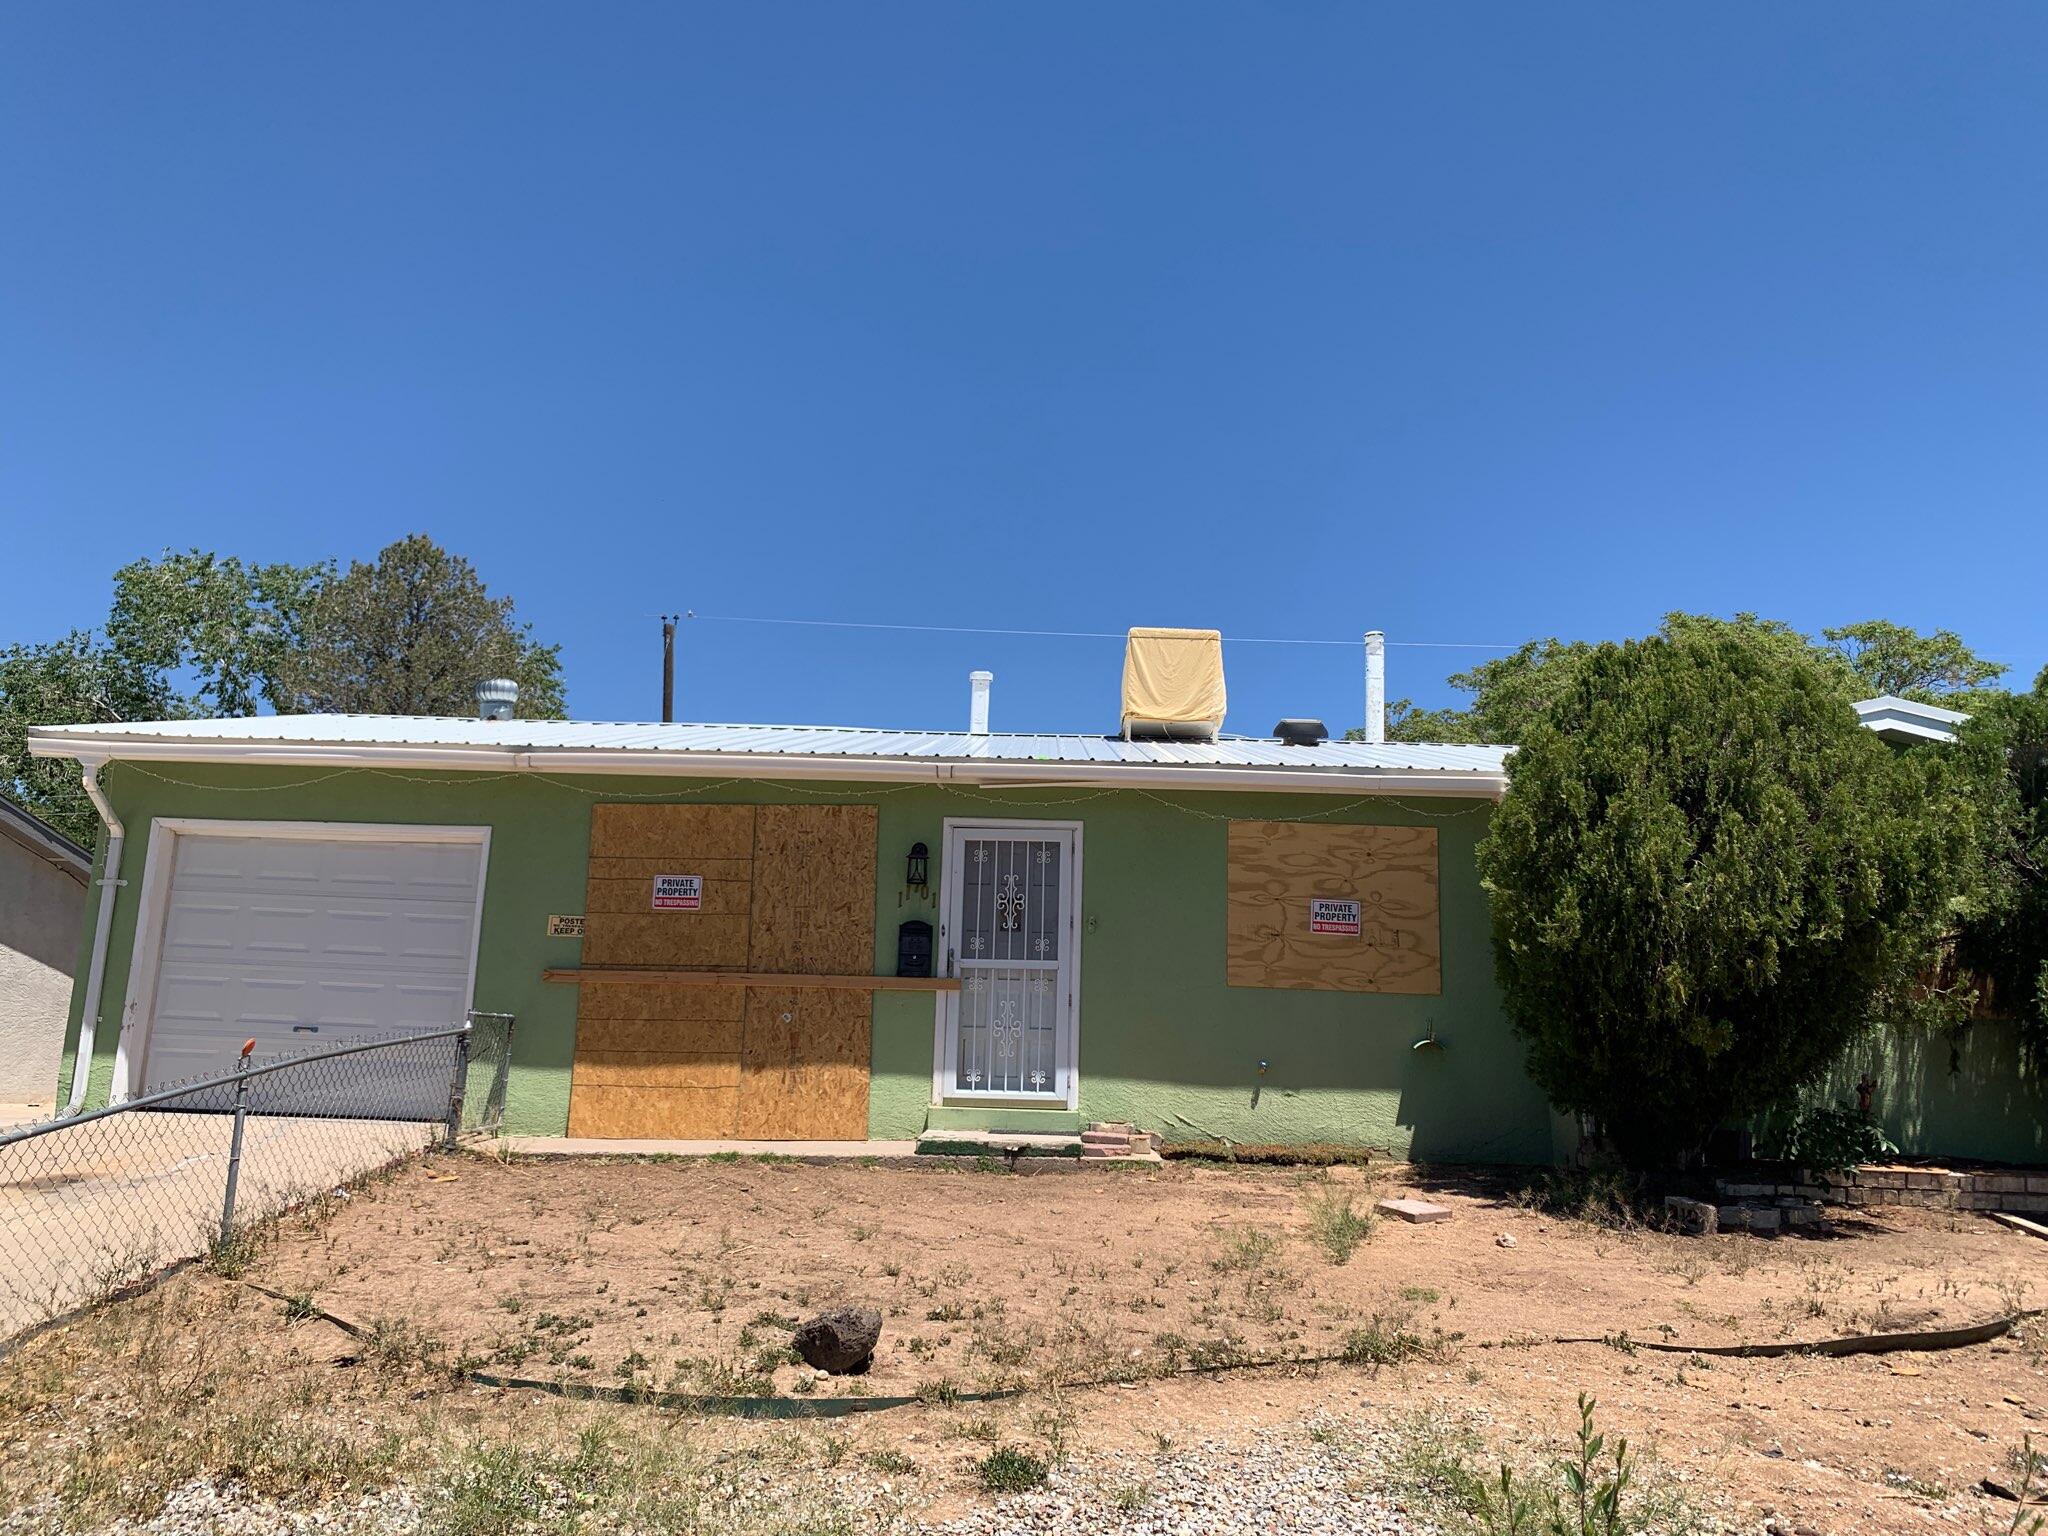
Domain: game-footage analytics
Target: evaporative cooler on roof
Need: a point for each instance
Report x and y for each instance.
(1173, 684)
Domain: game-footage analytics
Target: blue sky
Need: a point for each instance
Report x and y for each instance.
(1469, 323)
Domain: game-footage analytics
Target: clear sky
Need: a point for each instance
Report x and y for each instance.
(1466, 322)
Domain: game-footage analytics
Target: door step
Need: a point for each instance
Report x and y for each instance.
(1099, 1143)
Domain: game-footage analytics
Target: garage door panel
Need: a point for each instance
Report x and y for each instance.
(407, 935)
(299, 943)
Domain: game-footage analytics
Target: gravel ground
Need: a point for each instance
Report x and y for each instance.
(1317, 1479)
(1297, 1481)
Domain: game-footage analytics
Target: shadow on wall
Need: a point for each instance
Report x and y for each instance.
(1965, 1095)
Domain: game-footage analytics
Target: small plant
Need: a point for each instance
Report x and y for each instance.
(298, 1307)
(1132, 1497)
(1589, 1496)
(1009, 1470)
(1246, 1249)
(942, 1393)
(894, 1462)
(1386, 1339)
(1336, 1228)
(232, 1251)
(1606, 1197)
(2029, 1463)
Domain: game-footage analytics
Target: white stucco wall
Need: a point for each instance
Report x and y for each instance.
(41, 909)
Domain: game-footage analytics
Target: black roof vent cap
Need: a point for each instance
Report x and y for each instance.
(1302, 733)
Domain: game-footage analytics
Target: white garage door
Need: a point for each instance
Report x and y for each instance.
(300, 942)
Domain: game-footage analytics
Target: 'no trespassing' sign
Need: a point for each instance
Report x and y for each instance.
(678, 893)
(1334, 917)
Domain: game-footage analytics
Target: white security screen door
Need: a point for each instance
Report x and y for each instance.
(1008, 933)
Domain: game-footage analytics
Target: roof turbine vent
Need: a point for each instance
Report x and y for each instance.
(1302, 733)
(496, 698)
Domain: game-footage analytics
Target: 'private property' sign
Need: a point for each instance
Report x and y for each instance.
(678, 893)
(1335, 917)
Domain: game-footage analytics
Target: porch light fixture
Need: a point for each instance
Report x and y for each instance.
(917, 873)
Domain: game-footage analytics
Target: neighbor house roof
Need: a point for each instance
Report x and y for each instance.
(788, 751)
(44, 841)
(1898, 719)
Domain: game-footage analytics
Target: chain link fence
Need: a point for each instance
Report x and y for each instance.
(93, 1203)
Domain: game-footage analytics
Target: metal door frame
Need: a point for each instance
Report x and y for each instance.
(946, 1013)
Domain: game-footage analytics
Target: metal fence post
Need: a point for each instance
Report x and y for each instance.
(227, 1204)
(458, 1090)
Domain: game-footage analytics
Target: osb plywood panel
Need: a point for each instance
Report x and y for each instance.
(681, 1114)
(1277, 867)
(814, 889)
(652, 831)
(804, 1065)
(653, 1000)
(655, 1069)
(629, 846)
(787, 889)
(677, 1037)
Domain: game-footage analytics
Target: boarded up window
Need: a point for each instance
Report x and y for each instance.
(1333, 908)
(789, 889)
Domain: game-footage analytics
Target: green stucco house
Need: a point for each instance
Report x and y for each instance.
(798, 933)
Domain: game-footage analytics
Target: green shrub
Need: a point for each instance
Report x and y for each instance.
(1336, 1228)
(1826, 1139)
(1707, 876)
(1009, 1470)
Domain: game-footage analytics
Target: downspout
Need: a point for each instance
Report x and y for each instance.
(96, 967)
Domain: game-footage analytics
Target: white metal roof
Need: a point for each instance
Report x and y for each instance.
(1898, 719)
(787, 750)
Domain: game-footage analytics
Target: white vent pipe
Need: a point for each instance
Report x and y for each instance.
(1375, 685)
(977, 707)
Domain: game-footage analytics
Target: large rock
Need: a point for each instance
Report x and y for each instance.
(840, 1341)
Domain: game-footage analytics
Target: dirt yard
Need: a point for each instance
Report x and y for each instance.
(1094, 1289)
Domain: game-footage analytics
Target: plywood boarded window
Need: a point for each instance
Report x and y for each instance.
(784, 888)
(1296, 891)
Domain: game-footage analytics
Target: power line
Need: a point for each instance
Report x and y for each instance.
(1068, 634)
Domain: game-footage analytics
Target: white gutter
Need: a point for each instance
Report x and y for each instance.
(96, 967)
(789, 765)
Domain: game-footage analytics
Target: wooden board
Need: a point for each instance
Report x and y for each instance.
(703, 1035)
(638, 975)
(658, 1061)
(814, 889)
(804, 1065)
(1278, 867)
(629, 846)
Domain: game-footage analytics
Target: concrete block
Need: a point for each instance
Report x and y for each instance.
(1698, 1217)
(1734, 1191)
(1414, 1210)
(2037, 1183)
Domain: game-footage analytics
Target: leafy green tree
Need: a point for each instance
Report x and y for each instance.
(1935, 669)
(74, 680)
(1705, 878)
(413, 633)
(229, 625)
(1876, 657)
(2004, 940)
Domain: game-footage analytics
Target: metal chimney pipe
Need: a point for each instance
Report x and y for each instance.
(1375, 685)
(977, 708)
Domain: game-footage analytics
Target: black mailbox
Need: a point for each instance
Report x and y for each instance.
(914, 948)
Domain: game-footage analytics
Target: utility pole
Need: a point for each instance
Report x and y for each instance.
(668, 667)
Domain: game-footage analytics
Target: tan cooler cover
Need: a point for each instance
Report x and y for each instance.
(1173, 683)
